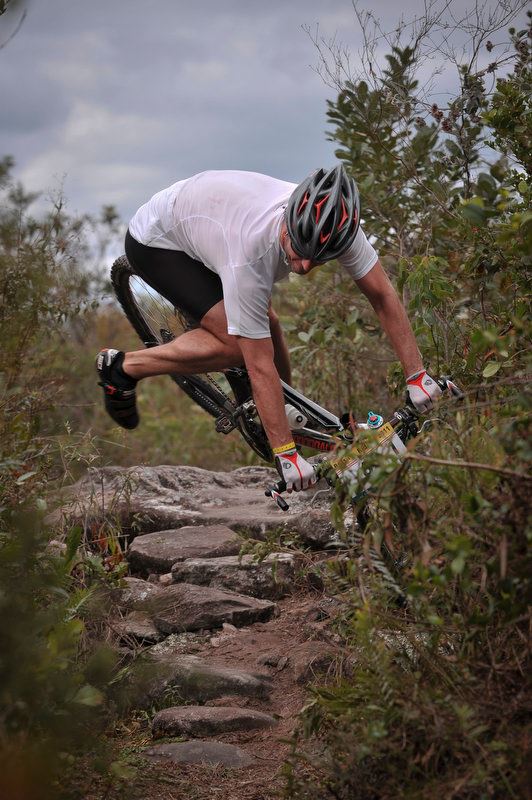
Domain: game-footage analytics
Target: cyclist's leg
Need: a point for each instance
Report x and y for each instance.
(191, 286)
(203, 349)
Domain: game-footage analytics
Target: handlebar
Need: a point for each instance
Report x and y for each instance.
(445, 384)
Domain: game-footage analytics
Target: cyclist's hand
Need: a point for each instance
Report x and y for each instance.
(422, 390)
(295, 471)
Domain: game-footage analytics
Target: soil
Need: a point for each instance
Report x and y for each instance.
(293, 646)
(299, 632)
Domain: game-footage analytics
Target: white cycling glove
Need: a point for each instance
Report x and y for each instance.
(422, 390)
(295, 471)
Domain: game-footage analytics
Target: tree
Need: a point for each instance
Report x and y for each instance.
(434, 703)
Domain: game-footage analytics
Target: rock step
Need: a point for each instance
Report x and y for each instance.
(188, 607)
(271, 578)
(160, 498)
(159, 551)
(208, 720)
(199, 752)
(194, 679)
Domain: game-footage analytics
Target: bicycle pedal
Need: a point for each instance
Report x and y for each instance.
(224, 425)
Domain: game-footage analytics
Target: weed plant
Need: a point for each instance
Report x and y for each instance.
(62, 680)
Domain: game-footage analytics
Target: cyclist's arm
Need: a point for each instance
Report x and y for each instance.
(392, 315)
(281, 356)
(258, 356)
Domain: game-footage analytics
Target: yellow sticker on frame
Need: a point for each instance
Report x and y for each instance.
(362, 448)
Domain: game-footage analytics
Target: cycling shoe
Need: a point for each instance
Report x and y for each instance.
(118, 388)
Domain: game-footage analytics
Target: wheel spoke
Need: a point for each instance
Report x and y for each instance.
(157, 311)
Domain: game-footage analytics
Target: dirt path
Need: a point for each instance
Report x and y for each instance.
(237, 640)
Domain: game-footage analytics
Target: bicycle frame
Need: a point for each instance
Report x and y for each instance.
(323, 441)
(393, 434)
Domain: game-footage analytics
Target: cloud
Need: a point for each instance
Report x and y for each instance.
(126, 97)
(97, 153)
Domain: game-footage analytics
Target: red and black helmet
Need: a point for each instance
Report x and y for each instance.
(323, 215)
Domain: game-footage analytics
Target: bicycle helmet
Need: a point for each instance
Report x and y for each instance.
(323, 215)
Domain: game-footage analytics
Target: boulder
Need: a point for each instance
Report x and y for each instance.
(148, 499)
(199, 752)
(208, 720)
(159, 551)
(138, 594)
(310, 659)
(275, 660)
(271, 578)
(186, 607)
(191, 678)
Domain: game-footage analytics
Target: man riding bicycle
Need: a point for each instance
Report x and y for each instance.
(214, 245)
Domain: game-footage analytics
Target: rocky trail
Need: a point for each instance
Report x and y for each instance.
(229, 642)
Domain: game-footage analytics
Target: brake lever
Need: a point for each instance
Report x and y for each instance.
(275, 493)
(454, 390)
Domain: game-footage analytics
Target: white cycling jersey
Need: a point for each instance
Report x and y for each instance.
(230, 221)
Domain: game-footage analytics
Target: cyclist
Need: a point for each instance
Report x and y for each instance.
(214, 245)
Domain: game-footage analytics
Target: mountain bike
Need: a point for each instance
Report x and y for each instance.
(353, 441)
(227, 396)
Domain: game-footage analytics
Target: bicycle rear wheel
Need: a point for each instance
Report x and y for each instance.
(156, 321)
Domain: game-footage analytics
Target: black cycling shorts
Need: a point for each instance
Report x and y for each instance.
(186, 283)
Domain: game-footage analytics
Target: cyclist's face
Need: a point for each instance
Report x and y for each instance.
(301, 266)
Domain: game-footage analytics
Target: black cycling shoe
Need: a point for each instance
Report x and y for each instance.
(118, 388)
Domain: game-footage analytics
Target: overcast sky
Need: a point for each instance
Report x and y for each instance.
(118, 98)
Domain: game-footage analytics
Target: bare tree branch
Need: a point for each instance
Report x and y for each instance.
(469, 465)
(435, 35)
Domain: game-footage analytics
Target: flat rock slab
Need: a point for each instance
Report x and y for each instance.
(137, 627)
(148, 499)
(208, 720)
(186, 607)
(194, 679)
(199, 752)
(138, 594)
(271, 578)
(159, 551)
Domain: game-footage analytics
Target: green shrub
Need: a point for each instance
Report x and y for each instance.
(436, 587)
(61, 680)
(60, 683)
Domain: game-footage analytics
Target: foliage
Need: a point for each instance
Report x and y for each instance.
(61, 685)
(447, 214)
(435, 588)
(42, 286)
